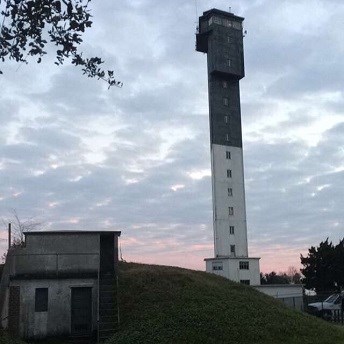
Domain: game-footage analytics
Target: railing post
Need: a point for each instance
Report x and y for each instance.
(57, 265)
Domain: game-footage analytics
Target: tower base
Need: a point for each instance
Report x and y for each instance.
(238, 269)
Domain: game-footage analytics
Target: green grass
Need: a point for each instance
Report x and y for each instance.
(6, 339)
(160, 304)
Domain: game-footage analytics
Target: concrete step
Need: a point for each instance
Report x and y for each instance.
(107, 298)
(79, 340)
(107, 305)
(109, 318)
(107, 326)
(106, 287)
(107, 312)
(105, 334)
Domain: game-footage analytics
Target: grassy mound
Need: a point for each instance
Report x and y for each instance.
(160, 304)
(6, 339)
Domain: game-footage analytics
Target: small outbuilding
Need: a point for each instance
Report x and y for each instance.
(61, 283)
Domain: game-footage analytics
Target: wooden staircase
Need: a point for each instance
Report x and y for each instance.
(108, 312)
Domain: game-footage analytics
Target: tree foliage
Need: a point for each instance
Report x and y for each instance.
(20, 226)
(292, 276)
(274, 278)
(323, 267)
(28, 25)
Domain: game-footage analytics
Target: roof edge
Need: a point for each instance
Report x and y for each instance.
(72, 232)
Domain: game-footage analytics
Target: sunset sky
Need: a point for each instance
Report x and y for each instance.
(76, 155)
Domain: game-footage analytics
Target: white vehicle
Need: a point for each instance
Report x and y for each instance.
(326, 307)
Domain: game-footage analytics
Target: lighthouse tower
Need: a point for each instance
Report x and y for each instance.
(220, 35)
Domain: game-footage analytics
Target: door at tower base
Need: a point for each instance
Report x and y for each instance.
(238, 269)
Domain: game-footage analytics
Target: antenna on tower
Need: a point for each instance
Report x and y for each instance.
(196, 11)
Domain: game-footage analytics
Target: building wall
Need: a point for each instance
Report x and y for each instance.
(57, 320)
(51, 253)
(222, 201)
(231, 269)
(290, 294)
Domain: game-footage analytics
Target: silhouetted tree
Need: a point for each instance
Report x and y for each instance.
(324, 267)
(26, 25)
(294, 275)
(274, 278)
(19, 227)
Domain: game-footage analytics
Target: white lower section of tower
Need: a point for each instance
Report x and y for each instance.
(229, 218)
(229, 211)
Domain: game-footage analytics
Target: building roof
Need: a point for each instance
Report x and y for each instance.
(72, 232)
(231, 258)
(224, 13)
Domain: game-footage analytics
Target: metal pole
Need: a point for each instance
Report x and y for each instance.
(9, 235)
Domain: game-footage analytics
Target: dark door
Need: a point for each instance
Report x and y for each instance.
(107, 253)
(81, 308)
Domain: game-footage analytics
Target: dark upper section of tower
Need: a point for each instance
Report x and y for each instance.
(220, 36)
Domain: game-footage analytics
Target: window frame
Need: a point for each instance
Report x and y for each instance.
(217, 266)
(244, 265)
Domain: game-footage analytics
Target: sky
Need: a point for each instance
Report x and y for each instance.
(75, 155)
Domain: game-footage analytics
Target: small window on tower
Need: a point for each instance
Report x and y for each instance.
(247, 282)
(230, 211)
(237, 25)
(228, 23)
(230, 192)
(232, 250)
(225, 101)
(226, 119)
(229, 173)
(217, 20)
(229, 62)
(231, 229)
(224, 84)
(227, 137)
(228, 155)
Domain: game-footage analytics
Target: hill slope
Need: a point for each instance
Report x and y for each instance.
(160, 304)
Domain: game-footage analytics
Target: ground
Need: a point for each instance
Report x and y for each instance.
(161, 304)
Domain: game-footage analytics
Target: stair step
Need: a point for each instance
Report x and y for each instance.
(105, 334)
(108, 318)
(108, 298)
(106, 287)
(107, 312)
(107, 305)
(79, 340)
(107, 326)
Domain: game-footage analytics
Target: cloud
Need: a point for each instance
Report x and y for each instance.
(137, 159)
